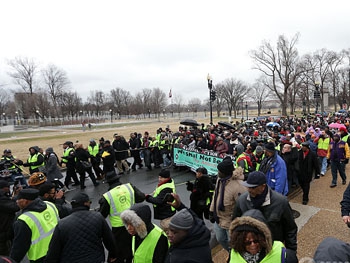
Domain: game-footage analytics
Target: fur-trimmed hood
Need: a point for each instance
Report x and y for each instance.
(254, 218)
(139, 216)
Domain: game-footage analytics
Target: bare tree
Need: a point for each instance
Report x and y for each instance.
(23, 72)
(259, 92)
(72, 104)
(233, 92)
(194, 104)
(158, 100)
(55, 81)
(97, 101)
(334, 60)
(279, 64)
(178, 102)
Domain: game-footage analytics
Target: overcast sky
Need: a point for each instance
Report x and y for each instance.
(167, 44)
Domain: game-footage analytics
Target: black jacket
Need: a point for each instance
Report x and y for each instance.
(200, 191)
(81, 155)
(194, 248)
(8, 209)
(345, 203)
(278, 214)
(161, 209)
(121, 148)
(307, 165)
(80, 238)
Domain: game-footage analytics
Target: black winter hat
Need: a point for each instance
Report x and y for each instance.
(164, 173)
(226, 166)
(270, 146)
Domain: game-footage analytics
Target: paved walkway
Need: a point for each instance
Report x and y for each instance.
(319, 219)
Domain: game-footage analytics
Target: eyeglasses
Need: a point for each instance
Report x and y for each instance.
(249, 242)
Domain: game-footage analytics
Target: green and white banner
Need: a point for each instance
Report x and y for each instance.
(195, 159)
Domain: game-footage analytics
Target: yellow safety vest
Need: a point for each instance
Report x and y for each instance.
(93, 150)
(66, 154)
(323, 144)
(144, 253)
(33, 159)
(119, 199)
(42, 226)
(345, 138)
(274, 256)
(163, 186)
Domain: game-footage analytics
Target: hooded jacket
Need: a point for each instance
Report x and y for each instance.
(149, 238)
(194, 248)
(23, 234)
(278, 214)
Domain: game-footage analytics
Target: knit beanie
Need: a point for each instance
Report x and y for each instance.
(226, 166)
(270, 146)
(182, 220)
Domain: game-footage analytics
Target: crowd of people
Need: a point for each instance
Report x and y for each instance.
(247, 202)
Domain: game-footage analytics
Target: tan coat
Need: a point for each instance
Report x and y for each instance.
(233, 190)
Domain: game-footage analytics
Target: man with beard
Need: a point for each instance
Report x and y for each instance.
(47, 192)
(274, 206)
(8, 209)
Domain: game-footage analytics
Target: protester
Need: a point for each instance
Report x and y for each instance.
(10, 163)
(161, 209)
(189, 238)
(274, 206)
(35, 161)
(68, 159)
(345, 206)
(150, 243)
(308, 166)
(332, 250)
(49, 193)
(251, 241)
(201, 193)
(338, 154)
(8, 209)
(81, 236)
(119, 198)
(108, 157)
(274, 168)
(28, 237)
(52, 169)
(227, 190)
(95, 157)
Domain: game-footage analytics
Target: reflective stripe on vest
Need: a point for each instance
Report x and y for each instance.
(42, 226)
(119, 199)
(276, 254)
(144, 253)
(242, 156)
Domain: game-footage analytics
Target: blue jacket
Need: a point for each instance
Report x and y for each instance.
(276, 175)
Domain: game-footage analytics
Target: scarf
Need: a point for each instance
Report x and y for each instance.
(250, 258)
(259, 199)
(221, 186)
(266, 163)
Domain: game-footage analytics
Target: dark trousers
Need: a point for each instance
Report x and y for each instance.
(147, 157)
(71, 174)
(305, 186)
(96, 166)
(137, 159)
(123, 249)
(335, 167)
(82, 177)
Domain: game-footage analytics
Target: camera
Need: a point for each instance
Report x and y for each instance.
(58, 185)
(168, 198)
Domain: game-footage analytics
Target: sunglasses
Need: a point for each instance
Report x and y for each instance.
(249, 242)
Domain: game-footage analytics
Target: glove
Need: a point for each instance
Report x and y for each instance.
(211, 217)
(189, 186)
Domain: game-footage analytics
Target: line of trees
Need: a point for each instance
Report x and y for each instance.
(285, 76)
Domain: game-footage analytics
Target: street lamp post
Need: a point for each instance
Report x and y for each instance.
(317, 96)
(246, 109)
(111, 112)
(4, 117)
(149, 113)
(210, 86)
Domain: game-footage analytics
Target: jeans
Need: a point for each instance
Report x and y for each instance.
(222, 236)
(323, 164)
(335, 167)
